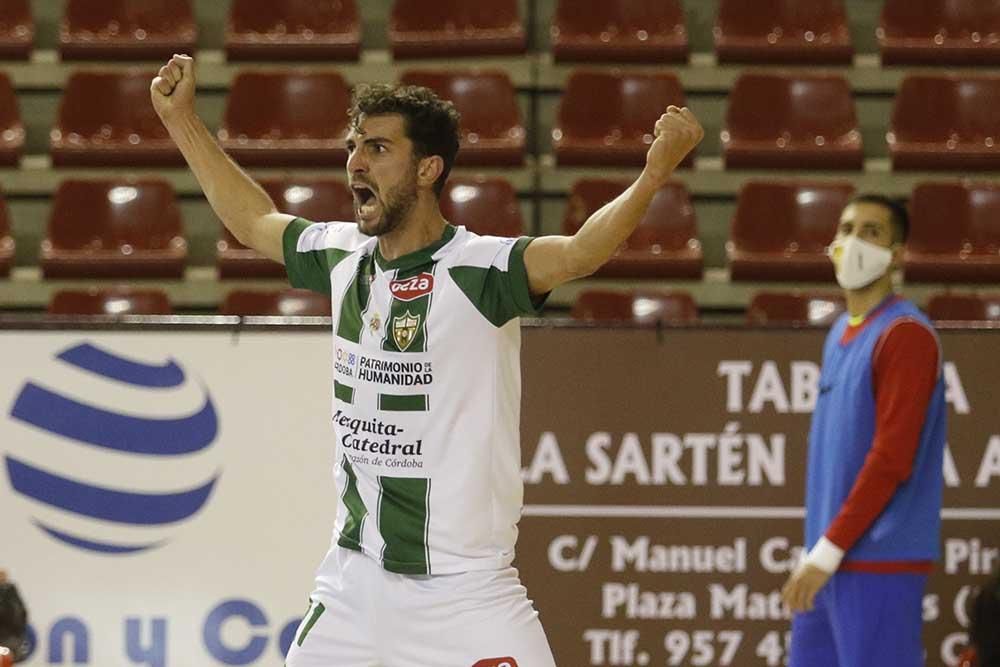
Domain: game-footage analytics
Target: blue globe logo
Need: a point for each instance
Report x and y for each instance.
(111, 454)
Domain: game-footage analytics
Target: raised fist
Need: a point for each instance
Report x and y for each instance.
(676, 133)
(173, 88)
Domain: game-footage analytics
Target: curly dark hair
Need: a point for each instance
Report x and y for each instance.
(430, 122)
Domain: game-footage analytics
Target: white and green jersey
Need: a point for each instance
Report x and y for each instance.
(427, 390)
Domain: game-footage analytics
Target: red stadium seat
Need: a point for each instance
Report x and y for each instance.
(447, 28)
(114, 229)
(127, 29)
(110, 301)
(639, 307)
(302, 123)
(795, 308)
(802, 121)
(664, 245)
(940, 32)
(486, 206)
(783, 31)
(959, 130)
(17, 29)
(781, 230)
(106, 119)
(954, 233)
(650, 31)
(606, 118)
(318, 200)
(492, 133)
(964, 307)
(286, 302)
(12, 132)
(6, 240)
(293, 30)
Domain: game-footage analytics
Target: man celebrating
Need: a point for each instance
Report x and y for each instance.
(427, 376)
(874, 477)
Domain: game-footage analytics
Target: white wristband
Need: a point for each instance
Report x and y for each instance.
(825, 555)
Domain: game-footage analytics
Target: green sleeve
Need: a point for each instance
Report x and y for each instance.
(500, 295)
(309, 268)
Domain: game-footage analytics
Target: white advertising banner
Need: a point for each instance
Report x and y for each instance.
(165, 497)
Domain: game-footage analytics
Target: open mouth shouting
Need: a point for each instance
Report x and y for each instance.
(366, 204)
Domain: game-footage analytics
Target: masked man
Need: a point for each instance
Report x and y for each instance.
(874, 479)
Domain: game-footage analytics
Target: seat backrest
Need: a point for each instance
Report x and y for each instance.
(819, 309)
(134, 20)
(597, 104)
(669, 222)
(642, 307)
(112, 105)
(293, 16)
(967, 307)
(799, 107)
(500, 118)
(971, 212)
(6, 240)
(790, 215)
(929, 18)
(110, 214)
(17, 28)
(299, 105)
(110, 301)
(287, 302)
(11, 128)
(606, 19)
(789, 18)
(964, 108)
(486, 206)
(459, 16)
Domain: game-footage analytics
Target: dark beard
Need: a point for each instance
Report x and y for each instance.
(397, 205)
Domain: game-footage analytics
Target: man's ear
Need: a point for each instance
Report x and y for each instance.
(429, 169)
(897, 255)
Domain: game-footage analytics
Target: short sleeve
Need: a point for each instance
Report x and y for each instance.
(495, 280)
(312, 249)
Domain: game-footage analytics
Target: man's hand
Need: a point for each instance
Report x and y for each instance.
(173, 88)
(799, 592)
(677, 132)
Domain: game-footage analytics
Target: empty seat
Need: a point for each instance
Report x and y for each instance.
(12, 132)
(492, 133)
(303, 121)
(939, 32)
(110, 301)
(293, 30)
(126, 29)
(649, 31)
(486, 206)
(312, 199)
(964, 307)
(607, 117)
(781, 230)
(664, 245)
(783, 31)
(445, 28)
(114, 229)
(954, 233)
(6, 240)
(286, 302)
(946, 122)
(795, 308)
(17, 29)
(106, 119)
(640, 307)
(802, 121)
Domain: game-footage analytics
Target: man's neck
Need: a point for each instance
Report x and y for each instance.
(421, 228)
(861, 302)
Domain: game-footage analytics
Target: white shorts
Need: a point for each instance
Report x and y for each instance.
(363, 616)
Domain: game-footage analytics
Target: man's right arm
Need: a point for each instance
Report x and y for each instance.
(242, 205)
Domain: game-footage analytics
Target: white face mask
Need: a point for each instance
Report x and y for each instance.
(859, 263)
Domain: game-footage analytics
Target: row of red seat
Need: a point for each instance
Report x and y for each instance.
(780, 230)
(640, 307)
(786, 121)
(796, 31)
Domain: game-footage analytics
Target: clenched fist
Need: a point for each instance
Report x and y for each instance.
(173, 88)
(676, 133)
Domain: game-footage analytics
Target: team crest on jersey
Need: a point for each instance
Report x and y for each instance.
(410, 289)
(404, 329)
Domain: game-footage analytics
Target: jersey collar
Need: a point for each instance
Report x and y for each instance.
(417, 257)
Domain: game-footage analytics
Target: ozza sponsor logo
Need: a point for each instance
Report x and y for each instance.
(410, 289)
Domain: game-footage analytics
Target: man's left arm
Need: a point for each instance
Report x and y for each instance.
(905, 366)
(551, 261)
